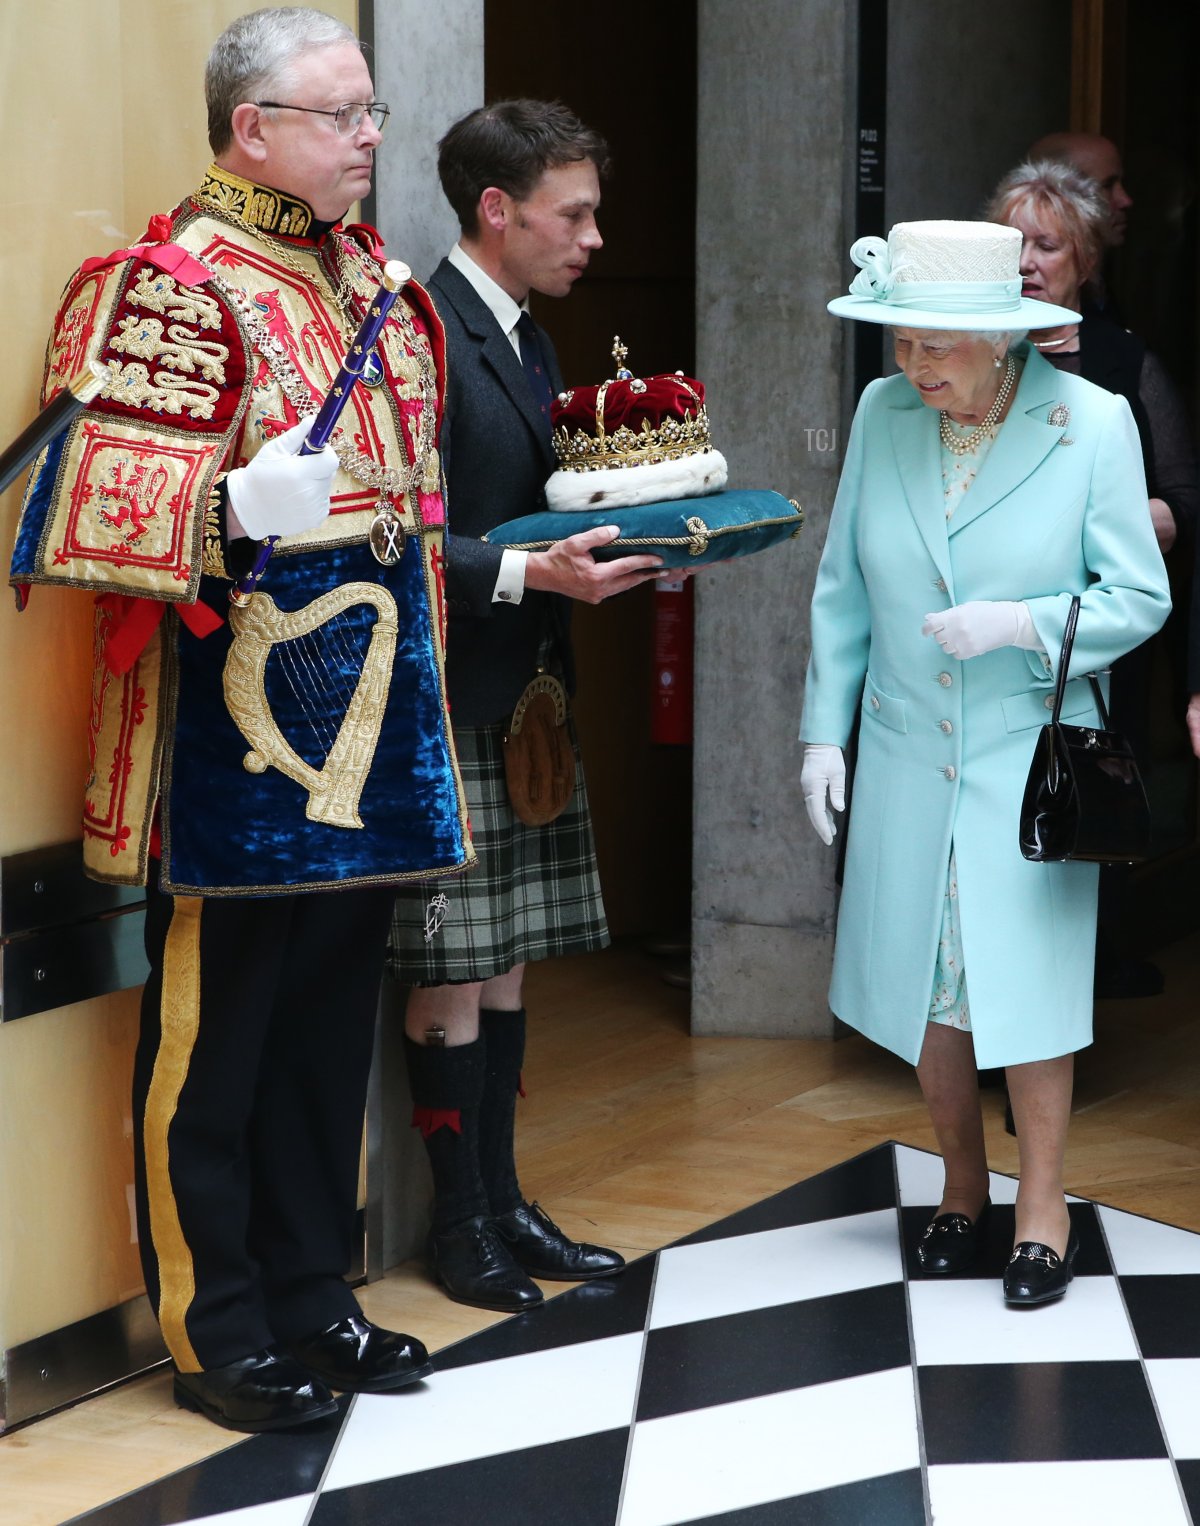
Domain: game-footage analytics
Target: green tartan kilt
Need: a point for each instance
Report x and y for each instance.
(534, 893)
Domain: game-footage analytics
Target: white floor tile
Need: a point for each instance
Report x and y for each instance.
(777, 1266)
(965, 1320)
(289, 1512)
(685, 1467)
(1142, 1247)
(1134, 1493)
(494, 1407)
(1176, 1385)
(920, 1176)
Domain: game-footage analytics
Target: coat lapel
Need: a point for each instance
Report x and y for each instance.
(916, 448)
(494, 348)
(1024, 441)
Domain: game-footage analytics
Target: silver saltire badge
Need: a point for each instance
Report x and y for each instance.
(386, 536)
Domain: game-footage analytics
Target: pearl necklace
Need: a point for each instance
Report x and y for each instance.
(963, 445)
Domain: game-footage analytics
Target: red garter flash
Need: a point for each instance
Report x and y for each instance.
(430, 1119)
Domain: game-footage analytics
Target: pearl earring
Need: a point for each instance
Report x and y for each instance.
(996, 361)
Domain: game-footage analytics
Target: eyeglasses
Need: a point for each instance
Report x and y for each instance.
(347, 119)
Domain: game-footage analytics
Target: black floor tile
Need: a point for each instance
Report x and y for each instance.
(861, 1185)
(253, 1472)
(576, 1482)
(1189, 1477)
(766, 1351)
(894, 1499)
(593, 1311)
(1165, 1314)
(1038, 1412)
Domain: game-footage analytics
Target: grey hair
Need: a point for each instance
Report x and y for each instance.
(994, 336)
(253, 57)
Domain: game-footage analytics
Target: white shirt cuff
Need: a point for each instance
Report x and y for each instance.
(510, 583)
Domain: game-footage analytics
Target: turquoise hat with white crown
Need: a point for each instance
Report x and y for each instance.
(945, 275)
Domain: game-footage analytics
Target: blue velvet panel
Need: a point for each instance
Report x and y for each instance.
(736, 523)
(229, 830)
(37, 505)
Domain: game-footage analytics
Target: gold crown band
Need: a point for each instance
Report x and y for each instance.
(672, 439)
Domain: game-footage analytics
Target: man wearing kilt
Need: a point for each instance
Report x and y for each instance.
(523, 179)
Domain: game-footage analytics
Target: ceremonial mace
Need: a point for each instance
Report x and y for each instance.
(50, 423)
(395, 274)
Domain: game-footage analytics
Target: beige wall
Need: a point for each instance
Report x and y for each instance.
(102, 118)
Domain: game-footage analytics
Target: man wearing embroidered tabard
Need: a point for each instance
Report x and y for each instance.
(270, 771)
(523, 179)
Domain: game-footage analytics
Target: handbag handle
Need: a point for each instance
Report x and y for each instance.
(1060, 687)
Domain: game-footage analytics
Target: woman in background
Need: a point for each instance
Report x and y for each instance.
(1064, 219)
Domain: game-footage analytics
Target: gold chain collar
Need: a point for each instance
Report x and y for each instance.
(356, 463)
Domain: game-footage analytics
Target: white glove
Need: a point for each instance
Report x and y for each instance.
(823, 773)
(279, 492)
(983, 625)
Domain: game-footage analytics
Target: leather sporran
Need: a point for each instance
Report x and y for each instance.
(539, 761)
(1084, 798)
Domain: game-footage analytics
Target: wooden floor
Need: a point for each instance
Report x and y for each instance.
(634, 1134)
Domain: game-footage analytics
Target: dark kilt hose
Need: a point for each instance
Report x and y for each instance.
(534, 894)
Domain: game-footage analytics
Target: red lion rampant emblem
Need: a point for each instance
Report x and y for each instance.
(134, 498)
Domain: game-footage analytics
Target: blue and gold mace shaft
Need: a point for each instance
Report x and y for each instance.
(395, 274)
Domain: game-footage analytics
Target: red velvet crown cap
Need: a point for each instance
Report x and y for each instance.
(628, 401)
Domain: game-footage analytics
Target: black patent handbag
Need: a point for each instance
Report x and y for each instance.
(1084, 798)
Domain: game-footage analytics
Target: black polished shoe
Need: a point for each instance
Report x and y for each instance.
(1036, 1274)
(262, 1392)
(540, 1247)
(360, 1358)
(475, 1266)
(951, 1242)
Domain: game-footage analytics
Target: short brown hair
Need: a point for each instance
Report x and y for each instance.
(1076, 203)
(511, 144)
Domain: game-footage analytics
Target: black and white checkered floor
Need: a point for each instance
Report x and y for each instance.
(785, 1367)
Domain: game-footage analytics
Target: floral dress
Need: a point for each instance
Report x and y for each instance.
(948, 1004)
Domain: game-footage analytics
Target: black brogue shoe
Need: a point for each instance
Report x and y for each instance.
(474, 1266)
(540, 1247)
(262, 1392)
(360, 1358)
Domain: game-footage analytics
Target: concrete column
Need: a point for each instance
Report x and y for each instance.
(774, 209)
(774, 96)
(428, 66)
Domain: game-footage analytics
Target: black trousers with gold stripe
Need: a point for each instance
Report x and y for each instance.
(249, 1088)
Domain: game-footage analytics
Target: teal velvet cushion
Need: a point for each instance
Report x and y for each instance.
(685, 532)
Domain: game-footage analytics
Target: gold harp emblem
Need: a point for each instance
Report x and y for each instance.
(314, 672)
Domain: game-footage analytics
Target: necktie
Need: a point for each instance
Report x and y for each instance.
(535, 369)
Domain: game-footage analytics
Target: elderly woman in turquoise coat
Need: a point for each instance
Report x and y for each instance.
(981, 490)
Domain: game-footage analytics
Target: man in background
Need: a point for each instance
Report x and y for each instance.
(1099, 159)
